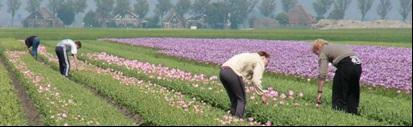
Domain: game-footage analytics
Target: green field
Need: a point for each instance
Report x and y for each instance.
(359, 35)
(102, 88)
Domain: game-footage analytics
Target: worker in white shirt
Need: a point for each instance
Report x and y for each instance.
(63, 49)
(238, 70)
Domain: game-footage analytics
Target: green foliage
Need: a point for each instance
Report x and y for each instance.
(66, 14)
(61, 101)
(11, 112)
(282, 18)
(370, 100)
(359, 35)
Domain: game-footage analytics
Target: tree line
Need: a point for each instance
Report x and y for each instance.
(217, 13)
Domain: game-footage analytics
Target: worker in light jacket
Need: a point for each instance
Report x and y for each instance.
(238, 70)
(63, 49)
(346, 82)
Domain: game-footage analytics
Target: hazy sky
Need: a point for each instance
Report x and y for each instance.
(352, 13)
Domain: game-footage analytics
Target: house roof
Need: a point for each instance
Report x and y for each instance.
(298, 15)
(130, 13)
(172, 14)
(41, 13)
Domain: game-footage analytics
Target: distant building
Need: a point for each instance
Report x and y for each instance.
(128, 19)
(196, 21)
(42, 18)
(173, 20)
(299, 16)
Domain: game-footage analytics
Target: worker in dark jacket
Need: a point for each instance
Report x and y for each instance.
(346, 82)
(32, 42)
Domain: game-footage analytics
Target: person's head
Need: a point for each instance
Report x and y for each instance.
(318, 45)
(78, 44)
(264, 56)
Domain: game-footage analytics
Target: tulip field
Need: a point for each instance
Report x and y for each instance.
(173, 80)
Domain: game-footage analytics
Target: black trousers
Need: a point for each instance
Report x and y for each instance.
(346, 86)
(64, 63)
(234, 85)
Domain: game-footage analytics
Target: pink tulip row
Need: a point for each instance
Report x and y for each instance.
(52, 95)
(172, 97)
(163, 73)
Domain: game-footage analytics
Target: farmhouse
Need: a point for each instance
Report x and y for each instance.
(42, 18)
(298, 16)
(128, 19)
(173, 20)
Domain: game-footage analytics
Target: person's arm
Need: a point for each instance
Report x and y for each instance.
(26, 42)
(74, 53)
(74, 61)
(29, 50)
(256, 78)
(320, 91)
(323, 63)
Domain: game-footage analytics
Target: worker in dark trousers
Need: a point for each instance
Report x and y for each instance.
(63, 49)
(346, 82)
(241, 69)
(32, 42)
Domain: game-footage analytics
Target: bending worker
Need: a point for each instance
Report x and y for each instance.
(238, 70)
(346, 82)
(63, 49)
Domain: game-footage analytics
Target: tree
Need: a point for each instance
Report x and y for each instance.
(122, 7)
(141, 8)
(237, 12)
(267, 7)
(340, 7)
(66, 14)
(199, 7)
(405, 8)
(282, 18)
(251, 5)
(384, 8)
(33, 5)
(90, 20)
(321, 7)
(13, 5)
(216, 15)
(78, 6)
(182, 7)
(104, 8)
(364, 6)
(162, 8)
(153, 22)
(54, 5)
(288, 4)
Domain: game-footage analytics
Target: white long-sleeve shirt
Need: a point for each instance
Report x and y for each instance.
(69, 45)
(250, 67)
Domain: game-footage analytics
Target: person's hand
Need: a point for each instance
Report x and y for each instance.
(264, 99)
(318, 99)
(75, 67)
